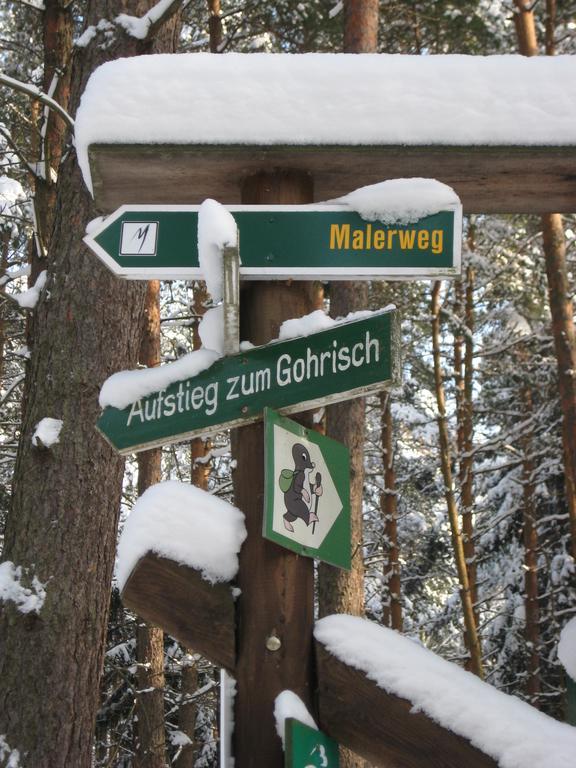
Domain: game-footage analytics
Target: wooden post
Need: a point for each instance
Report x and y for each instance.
(276, 605)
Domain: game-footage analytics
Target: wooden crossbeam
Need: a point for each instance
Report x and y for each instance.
(381, 727)
(176, 598)
(487, 179)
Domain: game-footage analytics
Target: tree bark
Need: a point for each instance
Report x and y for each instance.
(471, 634)
(361, 26)
(342, 591)
(277, 587)
(562, 310)
(58, 30)
(188, 711)
(339, 591)
(561, 306)
(530, 540)
(62, 526)
(199, 474)
(215, 26)
(463, 375)
(151, 740)
(392, 613)
(525, 27)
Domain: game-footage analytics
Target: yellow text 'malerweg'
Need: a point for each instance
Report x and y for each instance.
(370, 237)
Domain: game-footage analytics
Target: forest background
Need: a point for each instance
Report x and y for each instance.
(486, 408)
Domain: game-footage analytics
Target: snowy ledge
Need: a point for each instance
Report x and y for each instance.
(177, 553)
(184, 524)
(259, 99)
(508, 730)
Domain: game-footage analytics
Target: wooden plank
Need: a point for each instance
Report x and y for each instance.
(381, 727)
(175, 597)
(487, 179)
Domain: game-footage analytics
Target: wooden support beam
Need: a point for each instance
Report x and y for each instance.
(381, 727)
(276, 605)
(176, 598)
(488, 179)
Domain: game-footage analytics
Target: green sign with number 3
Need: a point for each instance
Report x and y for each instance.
(309, 748)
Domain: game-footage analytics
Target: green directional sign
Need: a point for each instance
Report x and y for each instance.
(309, 242)
(347, 360)
(308, 748)
(306, 491)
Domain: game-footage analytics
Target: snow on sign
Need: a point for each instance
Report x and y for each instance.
(347, 360)
(307, 491)
(310, 242)
(308, 748)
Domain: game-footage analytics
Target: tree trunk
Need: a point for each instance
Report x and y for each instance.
(151, 740)
(361, 26)
(277, 586)
(392, 613)
(463, 375)
(4, 250)
(339, 591)
(471, 634)
(215, 26)
(561, 307)
(62, 526)
(199, 474)
(188, 711)
(342, 591)
(58, 30)
(562, 310)
(530, 539)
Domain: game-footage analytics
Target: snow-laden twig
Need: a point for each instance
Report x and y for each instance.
(36, 93)
(18, 380)
(145, 27)
(44, 155)
(28, 299)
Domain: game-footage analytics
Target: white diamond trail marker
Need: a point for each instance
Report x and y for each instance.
(307, 491)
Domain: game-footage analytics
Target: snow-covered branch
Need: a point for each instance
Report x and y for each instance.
(145, 27)
(36, 93)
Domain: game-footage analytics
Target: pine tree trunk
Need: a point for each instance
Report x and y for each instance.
(561, 306)
(392, 612)
(4, 250)
(463, 375)
(151, 740)
(341, 591)
(361, 26)
(63, 522)
(562, 310)
(471, 634)
(58, 30)
(530, 540)
(199, 473)
(215, 26)
(188, 711)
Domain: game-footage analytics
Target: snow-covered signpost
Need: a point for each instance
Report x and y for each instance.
(201, 394)
(271, 127)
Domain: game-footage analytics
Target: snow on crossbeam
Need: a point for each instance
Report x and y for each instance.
(177, 555)
(411, 708)
(349, 120)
